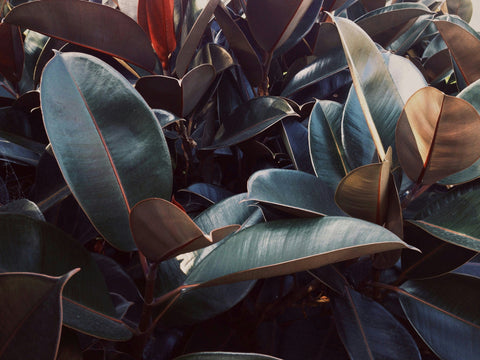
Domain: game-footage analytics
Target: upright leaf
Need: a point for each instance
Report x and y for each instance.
(369, 331)
(39, 314)
(445, 313)
(425, 146)
(156, 19)
(84, 23)
(101, 126)
(464, 48)
(11, 52)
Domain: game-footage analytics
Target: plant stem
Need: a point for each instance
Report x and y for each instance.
(263, 90)
(145, 319)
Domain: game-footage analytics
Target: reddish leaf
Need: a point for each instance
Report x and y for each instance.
(11, 52)
(156, 19)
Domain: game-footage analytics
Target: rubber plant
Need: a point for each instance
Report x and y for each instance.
(239, 179)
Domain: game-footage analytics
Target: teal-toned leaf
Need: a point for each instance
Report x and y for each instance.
(33, 45)
(84, 23)
(445, 313)
(386, 24)
(250, 119)
(295, 138)
(324, 138)
(288, 246)
(400, 79)
(215, 55)
(198, 14)
(29, 245)
(369, 331)
(38, 315)
(24, 207)
(437, 257)
(293, 192)
(225, 356)
(462, 8)
(411, 36)
(102, 127)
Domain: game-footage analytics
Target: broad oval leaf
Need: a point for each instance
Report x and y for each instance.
(445, 313)
(162, 231)
(273, 30)
(250, 119)
(462, 8)
(39, 313)
(225, 356)
(295, 138)
(215, 55)
(464, 48)
(87, 306)
(177, 96)
(84, 23)
(324, 139)
(293, 192)
(369, 331)
(101, 126)
(426, 147)
(288, 246)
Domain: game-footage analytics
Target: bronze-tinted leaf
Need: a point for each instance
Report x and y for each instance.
(11, 52)
(464, 48)
(88, 24)
(462, 8)
(436, 136)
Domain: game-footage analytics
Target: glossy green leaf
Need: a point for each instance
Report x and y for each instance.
(324, 138)
(288, 246)
(425, 146)
(295, 138)
(197, 18)
(445, 313)
(272, 31)
(113, 136)
(177, 96)
(437, 257)
(162, 230)
(11, 52)
(462, 8)
(214, 55)
(39, 314)
(84, 23)
(464, 48)
(52, 252)
(250, 119)
(369, 331)
(33, 45)
(385, 82)
(438, 66)
(24, 207)
(384, 25)
(411, 36)
(225, 356)
(238, 42)
(293, 192)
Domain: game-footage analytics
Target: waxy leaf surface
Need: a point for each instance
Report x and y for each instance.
(107, 141)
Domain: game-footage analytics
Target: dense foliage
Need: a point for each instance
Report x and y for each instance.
(206, 179)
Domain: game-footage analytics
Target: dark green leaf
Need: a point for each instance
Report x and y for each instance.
(11, 52)
(24, 207)
(39, 314)
(214, 55)
(294, 192)
(410, 37)
(84, 23)
(369, 331)
(295, 138)
(445, 313)
(115, 130)
(250, 119)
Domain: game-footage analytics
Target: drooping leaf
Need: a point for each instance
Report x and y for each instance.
(39, 313)
(198, 15)
(117, 133)
(214, 55)
(462, 8)
(324, 138)
(33, 45)
(240, 45)
(425, 146)
(24, 207)
(86, 304)
(293, 192)
(84, 23)
(464, 48)
(250, 119)
(272, 31)
(411, 36)
(287, 246)
(295, 138)
(437, 257)
(445, 313)
(177, 96)
(225, 356)
(162, 231)
(11, 52)
(369, 331)
(384, 25)
(156, 19)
